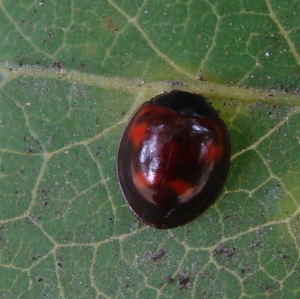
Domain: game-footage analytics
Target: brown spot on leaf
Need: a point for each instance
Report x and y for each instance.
(184, 281)
(111, 26)
(227, 251)
(158, 255)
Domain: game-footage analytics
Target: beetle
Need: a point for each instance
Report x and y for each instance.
(173, 158)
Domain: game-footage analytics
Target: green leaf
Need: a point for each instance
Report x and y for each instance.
(72, 73)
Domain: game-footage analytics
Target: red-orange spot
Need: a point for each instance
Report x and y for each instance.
(143, 119)
(180, 186)
(140, 180)
(137, 133)
(213, 152)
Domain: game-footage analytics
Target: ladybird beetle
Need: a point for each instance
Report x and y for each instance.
(173, 158)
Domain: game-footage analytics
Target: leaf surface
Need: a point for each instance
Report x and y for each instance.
(71, 75)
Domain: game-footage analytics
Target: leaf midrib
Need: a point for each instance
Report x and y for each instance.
(231, 93)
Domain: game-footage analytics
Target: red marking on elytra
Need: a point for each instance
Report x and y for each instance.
(140, 180)
(213, 152)
(142, 120)
(180, 186)
(214, 148)
(137, 133)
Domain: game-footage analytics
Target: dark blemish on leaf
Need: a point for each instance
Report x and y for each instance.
(245, 270)
(156, 256)
(40, 279)
(226, 217)
(57, 66)
(48, 36)
(59, 265)
(201, 78)
(121, 114)
(184, 281)
(285, 256)
(231, 252)
(98, 151)
(175, 83)
(168, 280)
(111, 26)
(228, 252)
(218, 251)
